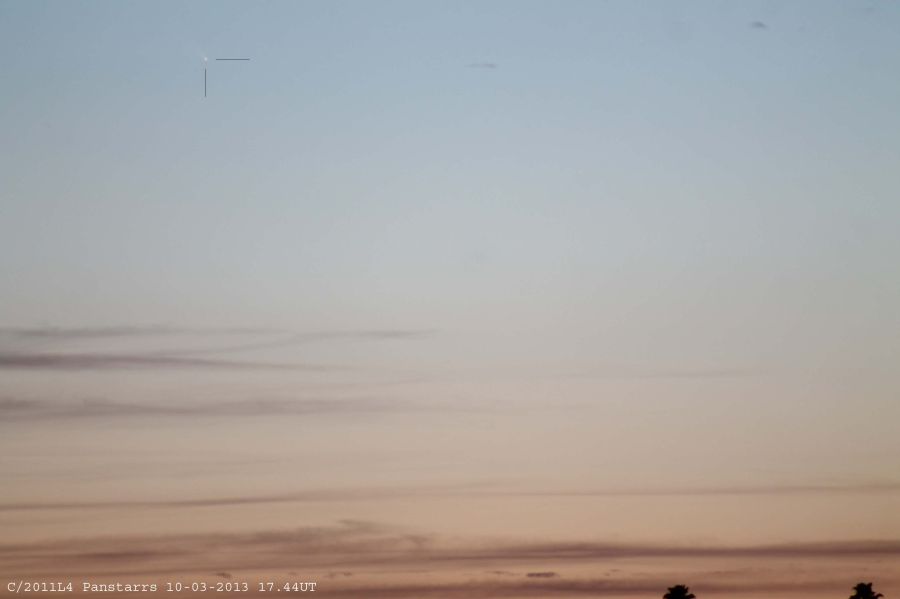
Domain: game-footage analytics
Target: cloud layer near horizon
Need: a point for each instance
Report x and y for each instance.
(356, 549)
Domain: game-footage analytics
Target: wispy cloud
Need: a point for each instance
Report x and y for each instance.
(793, 489)
(102, 361)
(291, 339)
(627, 372)
(39, 348)
(320, 495)
(39, 410)
(483, 65)
(467, 490)
(103, 332)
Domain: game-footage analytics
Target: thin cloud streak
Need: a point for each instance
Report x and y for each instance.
(62, 333)
(875, 487)
(67, 333)
(322, 495)
(19, 410)
(99, 361)
(23, 354)
(471, 490)
(631, 372)
(303, 338)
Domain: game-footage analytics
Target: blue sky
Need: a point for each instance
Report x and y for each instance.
(358, 153)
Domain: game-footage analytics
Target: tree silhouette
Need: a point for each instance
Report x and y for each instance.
(680, 591)
(864, 590)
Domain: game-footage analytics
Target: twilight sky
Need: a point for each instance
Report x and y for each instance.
(608, 290)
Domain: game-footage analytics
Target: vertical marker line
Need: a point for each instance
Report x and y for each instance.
(204, 82)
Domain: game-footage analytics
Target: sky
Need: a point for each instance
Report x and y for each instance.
(494, 299)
